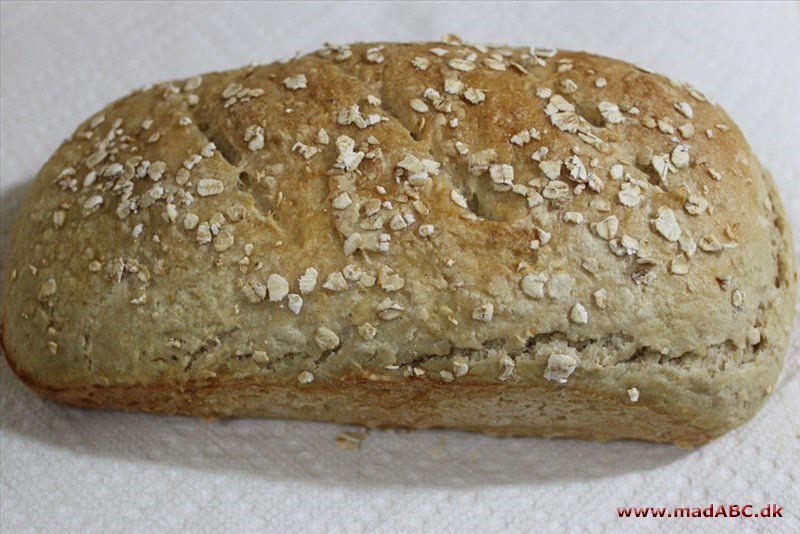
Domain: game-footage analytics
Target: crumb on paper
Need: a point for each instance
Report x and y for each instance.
(351, 439)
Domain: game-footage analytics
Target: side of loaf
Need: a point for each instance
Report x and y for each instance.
(516, 241)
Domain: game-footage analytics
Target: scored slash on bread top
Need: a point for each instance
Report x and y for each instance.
(399, 210)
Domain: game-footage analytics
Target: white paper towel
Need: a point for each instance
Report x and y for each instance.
(68, 470)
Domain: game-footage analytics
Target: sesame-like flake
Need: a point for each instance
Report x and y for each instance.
(502, 175)
(507, 366)
(47, 289)
(352, 243)
(460, 369)
(610, 112)
(590, 265)
(540, 153)
(59, 216)
(278, 287)
(461, 64)
(551, 168)
(304, 150)
(191, 161)
(661, 164)
(341, 201)
(439, 102)
(367, 331)
(91, 178)
(298, 81)
(494, 64)
(254, 136)
(326, 339)
(92, 204)
(543, 52)
(679, 265)
(568, 85)
(578, 314)
(666, 224)
(171, 212)
(352, 272)
(532, 285)
(388, 309)
(392, 282)
(397, 222)
(665, 126)
(556, 190)
(606, 228)
(204, 235)
(737, 298)
(156, 170)
(624, 246)
(113, 170)
(208, 150)
(687, 244)
(453, 87)
(484, 312)
(521, 138)
(193, 83)
(542, 238)
(420, 63)
(685, 109)
(208, 187)
(335, 282)
(419, 106)
(347, 159)
(458, 199)
(308, 280)
(190, 221)
(305, 377)
(474, 95)
(630, 195)
(231, 90)
(576, 168)
(295, 303)
(711, 243)
(223, 241)
(686, 130)
(695, 205)
(680, 156)
(182, 176)
(601, 298)
(560, 367)
(374, 54)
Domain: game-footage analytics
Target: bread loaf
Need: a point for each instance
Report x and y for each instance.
(510, 240)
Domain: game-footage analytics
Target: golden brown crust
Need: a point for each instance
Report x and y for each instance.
(484, 230)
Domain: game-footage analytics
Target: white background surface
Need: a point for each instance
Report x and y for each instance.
(68, 470)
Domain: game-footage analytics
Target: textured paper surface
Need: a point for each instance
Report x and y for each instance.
(68, 470)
